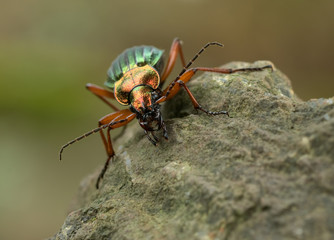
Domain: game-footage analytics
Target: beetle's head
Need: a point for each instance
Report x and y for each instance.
(143, 99)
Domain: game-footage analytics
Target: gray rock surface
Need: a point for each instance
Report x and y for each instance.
(265, 173)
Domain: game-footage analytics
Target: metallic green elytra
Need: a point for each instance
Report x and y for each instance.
(131, 58)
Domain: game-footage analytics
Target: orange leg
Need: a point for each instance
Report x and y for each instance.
(110, 121)
(181, 80)
(114, 120)
(186, 74)
(102, 94)
(175, 49)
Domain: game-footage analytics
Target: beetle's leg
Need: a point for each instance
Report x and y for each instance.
(164, 129)
(175, 49)
(102, 93)
(173, 87)
(115, 120)
(155, 138)
(110, 121)
(196, 104)
(180, 81)
(153, 141)
(185, 75)
(120, 133)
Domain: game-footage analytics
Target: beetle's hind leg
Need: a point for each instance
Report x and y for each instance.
(103, 94)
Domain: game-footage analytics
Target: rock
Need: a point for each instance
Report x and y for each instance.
(265, 173)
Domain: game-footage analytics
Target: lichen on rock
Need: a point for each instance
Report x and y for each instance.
(265, 173)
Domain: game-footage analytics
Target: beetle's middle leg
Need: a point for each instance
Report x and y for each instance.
(120, 119)
(102, 93)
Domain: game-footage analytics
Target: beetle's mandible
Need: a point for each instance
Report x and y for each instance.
(135, 79)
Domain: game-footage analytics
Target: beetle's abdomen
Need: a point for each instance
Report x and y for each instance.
(131, 58)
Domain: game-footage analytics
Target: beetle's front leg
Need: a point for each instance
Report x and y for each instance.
(120, 119)
(155, 140)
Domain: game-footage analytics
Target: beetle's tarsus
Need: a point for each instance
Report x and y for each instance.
(154, 142)
(155, 138)
(196, 109)
(270, 66)
(103, 171)
(211, 113)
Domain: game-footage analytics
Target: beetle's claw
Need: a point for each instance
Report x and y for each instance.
(166, 135)
(196, 109)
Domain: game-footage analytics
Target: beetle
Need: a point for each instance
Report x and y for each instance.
(135, 79)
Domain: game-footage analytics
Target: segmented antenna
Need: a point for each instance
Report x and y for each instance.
(191, 62)
(87, 134)
(197, 55)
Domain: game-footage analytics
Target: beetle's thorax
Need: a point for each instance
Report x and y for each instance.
(138, 76)
(139, 88)
(141, 99)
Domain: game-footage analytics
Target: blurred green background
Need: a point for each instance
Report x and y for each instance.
(49, 50)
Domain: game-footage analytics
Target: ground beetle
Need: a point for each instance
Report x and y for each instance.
(135, 79)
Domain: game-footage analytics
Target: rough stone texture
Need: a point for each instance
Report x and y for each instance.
(265, 173)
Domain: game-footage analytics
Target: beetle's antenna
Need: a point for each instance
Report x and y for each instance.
(197, 55)
(191, 62)
(81, 137)
(87, 134)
